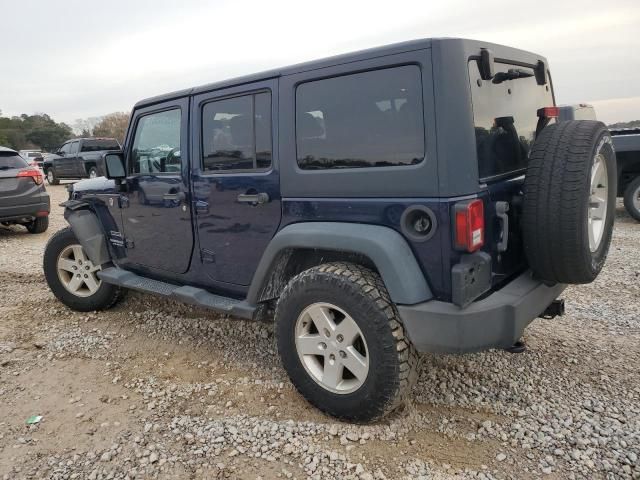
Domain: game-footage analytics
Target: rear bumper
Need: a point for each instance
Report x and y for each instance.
(18, 212)
(497, 321)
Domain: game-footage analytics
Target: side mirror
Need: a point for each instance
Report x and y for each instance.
(114, 166)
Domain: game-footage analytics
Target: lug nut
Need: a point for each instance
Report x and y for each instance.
(327, 333)
(86, 276)
(323, 346)
(343, 354)
(340, 338)
(332, 357)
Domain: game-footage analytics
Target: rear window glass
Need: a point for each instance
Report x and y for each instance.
(97, 145)
(10, 160)
(505, 117)
(369, 119)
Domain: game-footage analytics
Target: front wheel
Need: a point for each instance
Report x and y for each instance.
(342, 342)
(632, 198)
(52, 179)
(73, 278)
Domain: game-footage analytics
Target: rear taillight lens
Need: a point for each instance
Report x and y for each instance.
(34, 173)
(469, 225)
(549, 112)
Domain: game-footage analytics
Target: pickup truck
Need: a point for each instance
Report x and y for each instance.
(78, 158)
(626, 141)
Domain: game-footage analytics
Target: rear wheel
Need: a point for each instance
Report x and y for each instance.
(51, 177)
(39, 225)
(632, 198)
(569, 201)
(342, 342)
(73, 278)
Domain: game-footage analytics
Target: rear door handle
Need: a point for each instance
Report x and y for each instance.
(254, 198)
(173, 196)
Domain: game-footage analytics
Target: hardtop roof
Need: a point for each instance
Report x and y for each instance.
(380, 51)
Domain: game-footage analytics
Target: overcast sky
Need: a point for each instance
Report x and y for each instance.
(82, 58)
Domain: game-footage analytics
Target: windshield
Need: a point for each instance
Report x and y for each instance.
(505, 116)
(98, 145)
(9, 160)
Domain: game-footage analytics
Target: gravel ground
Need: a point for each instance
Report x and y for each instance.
(153, 389)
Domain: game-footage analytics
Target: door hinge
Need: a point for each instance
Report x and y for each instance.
(207, 256)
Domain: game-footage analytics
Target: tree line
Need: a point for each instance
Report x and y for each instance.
(40, 131)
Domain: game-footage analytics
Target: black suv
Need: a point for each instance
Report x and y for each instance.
(78, 158)
(412, 198)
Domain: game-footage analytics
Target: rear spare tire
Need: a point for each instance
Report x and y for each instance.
(569, 201)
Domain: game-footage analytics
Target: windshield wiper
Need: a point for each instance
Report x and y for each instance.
(511, 74)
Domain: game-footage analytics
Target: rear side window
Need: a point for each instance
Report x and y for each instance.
(98, 145)
(505, 116)
(10, 160)
(236, 133)
(369, 119)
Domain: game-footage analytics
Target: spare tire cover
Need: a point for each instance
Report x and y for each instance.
(569, 201)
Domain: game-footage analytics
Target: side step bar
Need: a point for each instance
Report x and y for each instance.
(186, 294)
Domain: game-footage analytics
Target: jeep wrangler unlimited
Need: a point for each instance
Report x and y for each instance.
(412, 198)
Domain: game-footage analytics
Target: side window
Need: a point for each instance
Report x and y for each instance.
(156, 145)
(236, 133)
(369, 119)
(65, 148)
(73, 149)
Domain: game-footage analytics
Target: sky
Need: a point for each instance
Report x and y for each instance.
(76, 59)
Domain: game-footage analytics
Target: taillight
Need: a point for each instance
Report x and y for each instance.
(549, 112)
(34, 173)
(469, 225)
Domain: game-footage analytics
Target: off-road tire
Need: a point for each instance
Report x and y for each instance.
(105, 297)
(54, 180)
(556, 201)
(393, 359)
(39, 225)
(632, 190)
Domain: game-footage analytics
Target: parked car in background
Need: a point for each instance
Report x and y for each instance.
(23, 198)
(78, 158)
(627, 144)
(34, 157)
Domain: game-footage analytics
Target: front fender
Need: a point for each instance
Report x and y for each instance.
(88, 231)
(385, 247)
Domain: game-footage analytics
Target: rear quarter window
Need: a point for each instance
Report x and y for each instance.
(505, 118)
(368, 119)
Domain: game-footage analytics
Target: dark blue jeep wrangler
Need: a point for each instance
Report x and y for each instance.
(418, 197)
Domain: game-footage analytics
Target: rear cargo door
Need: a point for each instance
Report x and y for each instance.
(505, 118)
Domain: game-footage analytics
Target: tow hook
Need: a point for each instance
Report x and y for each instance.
(555, 309)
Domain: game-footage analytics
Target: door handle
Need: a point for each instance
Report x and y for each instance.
(254, 198)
